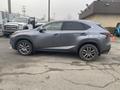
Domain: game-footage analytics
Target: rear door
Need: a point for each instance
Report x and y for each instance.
(71, 31)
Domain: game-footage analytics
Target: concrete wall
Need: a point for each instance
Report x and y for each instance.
(105, 20)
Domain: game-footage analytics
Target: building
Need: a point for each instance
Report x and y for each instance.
(106, 12)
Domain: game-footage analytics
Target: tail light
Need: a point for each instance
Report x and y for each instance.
(108, 35)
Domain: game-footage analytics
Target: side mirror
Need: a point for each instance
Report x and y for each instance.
(42, 30)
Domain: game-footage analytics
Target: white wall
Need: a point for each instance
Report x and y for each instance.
(105, 20)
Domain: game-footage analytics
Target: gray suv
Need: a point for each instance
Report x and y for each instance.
(88, 39)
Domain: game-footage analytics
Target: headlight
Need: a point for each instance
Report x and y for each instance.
(20, 27)
(13, 33)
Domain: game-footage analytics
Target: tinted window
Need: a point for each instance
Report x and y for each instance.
(75, 26)
(53, 26)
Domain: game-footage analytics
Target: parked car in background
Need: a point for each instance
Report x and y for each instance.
(117, 30)
(1, 29)
(16, 24)
(22, 23)
(88, 39)
(1, 23)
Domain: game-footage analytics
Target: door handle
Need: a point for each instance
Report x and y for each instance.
(83, 34)
(56, 34)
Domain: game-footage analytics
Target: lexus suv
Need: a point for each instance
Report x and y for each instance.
(86, 38)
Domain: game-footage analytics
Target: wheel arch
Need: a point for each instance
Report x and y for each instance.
(90, 42)
(22, 39)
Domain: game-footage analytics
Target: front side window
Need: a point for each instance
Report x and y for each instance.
(53, 26)
(75, 26)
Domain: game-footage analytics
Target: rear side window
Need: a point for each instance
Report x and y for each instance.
(101, 26)
(75, 26)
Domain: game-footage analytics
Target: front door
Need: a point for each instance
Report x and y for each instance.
(51, 38)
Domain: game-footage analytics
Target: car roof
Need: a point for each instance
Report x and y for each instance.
(84, 21)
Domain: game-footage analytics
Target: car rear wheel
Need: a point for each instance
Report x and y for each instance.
(24, 47)
(88, 52)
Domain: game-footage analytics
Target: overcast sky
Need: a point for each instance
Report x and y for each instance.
(60, 9)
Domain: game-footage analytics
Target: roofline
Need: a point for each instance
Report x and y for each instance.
(81, 20)
(97, 14)
(99, 7)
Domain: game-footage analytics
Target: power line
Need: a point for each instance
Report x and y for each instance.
(24, 10)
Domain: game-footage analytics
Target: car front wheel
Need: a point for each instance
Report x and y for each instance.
(24, 47)
(88, 52)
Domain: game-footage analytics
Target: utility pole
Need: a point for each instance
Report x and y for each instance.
(9, 10)
(24, 10)
(9, 7)
(49, 8)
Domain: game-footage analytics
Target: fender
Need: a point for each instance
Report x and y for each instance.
(24, 37)
(90, 41)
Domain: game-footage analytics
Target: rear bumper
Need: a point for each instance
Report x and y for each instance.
(106, 50)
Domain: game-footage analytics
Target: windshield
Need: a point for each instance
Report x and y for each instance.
(21, 20)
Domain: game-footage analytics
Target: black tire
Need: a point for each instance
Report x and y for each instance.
(88, 52)
(24, 47)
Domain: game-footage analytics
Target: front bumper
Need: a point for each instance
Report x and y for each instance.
(7, 32)
(12, 43)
